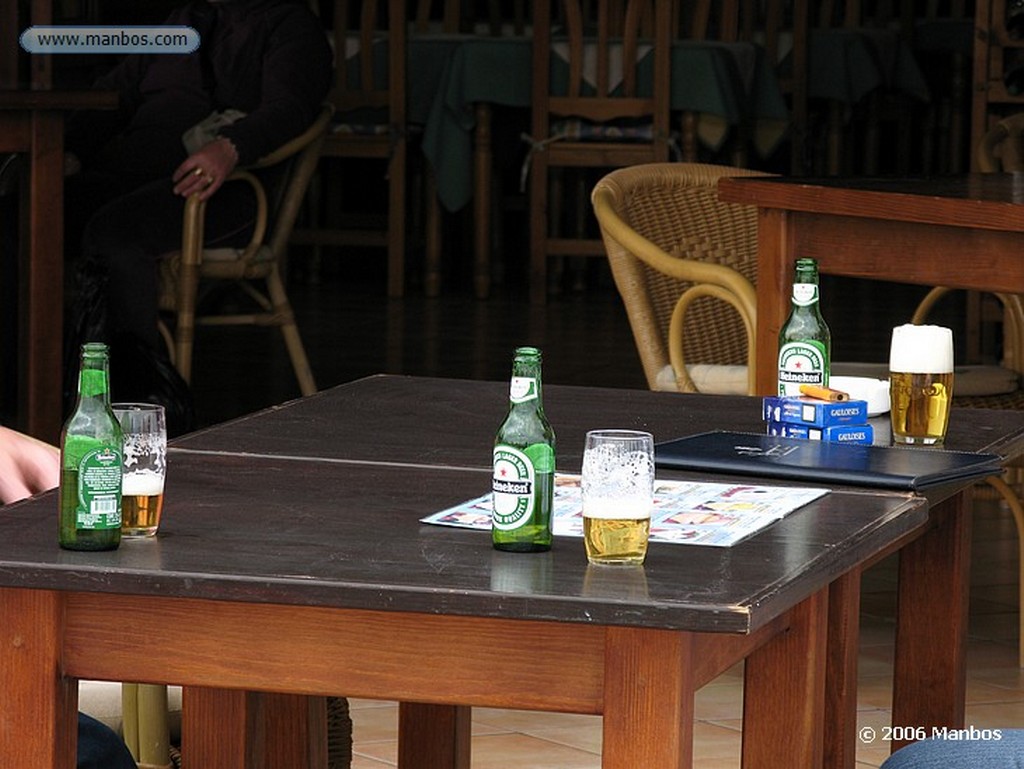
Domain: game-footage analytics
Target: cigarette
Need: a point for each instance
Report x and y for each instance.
(824, 393)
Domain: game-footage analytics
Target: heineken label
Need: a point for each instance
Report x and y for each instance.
(805, 294)
(99, 490)
(522, 389)
(802, 363)
(513, 485)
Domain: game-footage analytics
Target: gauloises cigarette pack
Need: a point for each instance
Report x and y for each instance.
(859, 434)
(815, 413)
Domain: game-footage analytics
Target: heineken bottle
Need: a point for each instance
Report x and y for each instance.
(524, 463)
(90, 460)
(805, 343)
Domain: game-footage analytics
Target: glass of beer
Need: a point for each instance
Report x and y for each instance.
(145, 462)
(920, 384)
(618, 494)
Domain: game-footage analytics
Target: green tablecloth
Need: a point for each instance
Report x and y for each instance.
(727, 82)
(847, 64)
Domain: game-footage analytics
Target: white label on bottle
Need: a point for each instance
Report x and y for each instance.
(522, 389)
(513, 484)
(805, 294)
(801, 363)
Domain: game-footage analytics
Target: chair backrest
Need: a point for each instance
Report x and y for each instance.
(438, 16)
(369, 56)
(682, 258)
(1002, 146)
(597, 53)
(298, 158)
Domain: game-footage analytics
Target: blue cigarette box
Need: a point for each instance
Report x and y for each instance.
(815, 413)
(861, 434)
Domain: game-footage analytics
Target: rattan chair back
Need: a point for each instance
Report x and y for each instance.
(685, 265)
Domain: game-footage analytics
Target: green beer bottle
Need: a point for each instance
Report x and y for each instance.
(805, 343)
(524, 463)
(90, 460)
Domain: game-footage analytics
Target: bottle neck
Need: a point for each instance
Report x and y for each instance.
(525, 387)
(94, 379)
(805, 290)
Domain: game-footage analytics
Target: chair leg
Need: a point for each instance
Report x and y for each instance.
(146, 733)
(188, 283)
(432, 268)
(396, 221)
(290, 332)
(1014, 503)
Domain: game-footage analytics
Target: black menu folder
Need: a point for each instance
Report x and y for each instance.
(907, 468)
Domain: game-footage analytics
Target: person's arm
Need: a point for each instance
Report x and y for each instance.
(296, 76)
(27, 466)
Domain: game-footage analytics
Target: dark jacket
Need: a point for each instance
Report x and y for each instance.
(267, 58)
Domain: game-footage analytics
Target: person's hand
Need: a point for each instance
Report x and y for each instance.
(204, 171)
(27, 466)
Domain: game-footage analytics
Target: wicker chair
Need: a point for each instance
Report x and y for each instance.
(260, 260)
(685, 265)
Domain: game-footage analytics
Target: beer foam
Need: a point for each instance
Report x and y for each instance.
(145, 483)
(921, 349)
(617, 508)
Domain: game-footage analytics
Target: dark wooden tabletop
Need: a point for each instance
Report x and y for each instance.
(318, 502)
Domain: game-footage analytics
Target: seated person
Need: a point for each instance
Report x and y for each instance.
(993, 749)
(258, 79)
(28, 466)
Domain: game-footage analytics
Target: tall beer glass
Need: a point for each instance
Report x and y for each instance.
(618, 493)
(920, 383)
(145, 462)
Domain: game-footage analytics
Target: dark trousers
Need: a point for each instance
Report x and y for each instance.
(99, 747)
(124, 239)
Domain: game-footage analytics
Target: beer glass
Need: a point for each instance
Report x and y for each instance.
(145, 461)
(920, 384)
(618, 493)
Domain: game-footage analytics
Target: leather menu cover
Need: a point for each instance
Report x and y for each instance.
(767, 456)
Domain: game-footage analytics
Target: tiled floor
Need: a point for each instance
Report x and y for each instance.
(352, 331)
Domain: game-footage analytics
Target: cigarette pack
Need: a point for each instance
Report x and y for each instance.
(815, 413)
(859, 434)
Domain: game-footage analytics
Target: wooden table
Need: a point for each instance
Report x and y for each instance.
(964, 231)
(291, 560)
(32, 122)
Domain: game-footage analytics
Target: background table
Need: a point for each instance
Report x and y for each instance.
(291, 537)
(959, 231)
(32, 122)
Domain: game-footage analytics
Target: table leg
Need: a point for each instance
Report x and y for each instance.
(930, 676)
(482, 164)
(774, 258)
(216, 727)
(841, 671)
(433, 736)
(233, 729)
(39, 725)
(784, 692)
(648, 699)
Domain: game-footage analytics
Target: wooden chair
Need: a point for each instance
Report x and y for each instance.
(260, 260)
(574, 121)
(941, 33)
(685, 265)
(369, 103)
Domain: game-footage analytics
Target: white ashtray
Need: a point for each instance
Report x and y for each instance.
(874, 391)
